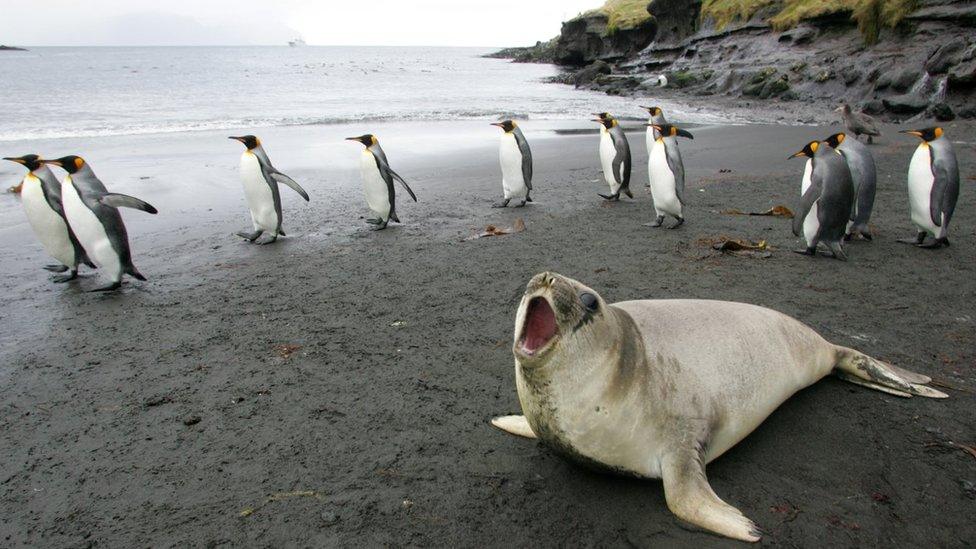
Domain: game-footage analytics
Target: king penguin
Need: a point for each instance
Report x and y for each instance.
(516, 161)
(378, 180)
(656, 118)
(864, 175)
(666, 174)
(827, 195)
(933, 187)
(261, 190)
(92, 212)
(41, 195)
(614, 156)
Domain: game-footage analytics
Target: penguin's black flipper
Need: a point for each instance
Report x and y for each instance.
(404, 183)
(55, 268)
(117, 200)
(285, 180)
(134, 273)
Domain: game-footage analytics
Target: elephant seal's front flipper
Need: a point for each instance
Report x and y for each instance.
(516, 425)
(692, 499)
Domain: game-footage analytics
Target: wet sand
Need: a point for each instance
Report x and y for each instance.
(335, 388)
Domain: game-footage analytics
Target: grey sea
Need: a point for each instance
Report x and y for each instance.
(77, 92)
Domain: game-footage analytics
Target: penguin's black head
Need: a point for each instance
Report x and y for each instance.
(507, 125)
(29, 161)
(602, 115)
(808, 151)
(608, 121)
(670, 130)
(927, 134)
(653, 111)
(70, 164)
(249, 141)
(367, 140)
(836, 139)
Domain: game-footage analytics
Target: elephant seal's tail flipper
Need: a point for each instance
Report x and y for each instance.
(860, 369)
(516, 425)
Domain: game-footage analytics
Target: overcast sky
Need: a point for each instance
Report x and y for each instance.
(323, 22)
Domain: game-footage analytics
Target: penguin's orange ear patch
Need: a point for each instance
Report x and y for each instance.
(840, 138)
(938, 132)
(814, 146)
(79, 163)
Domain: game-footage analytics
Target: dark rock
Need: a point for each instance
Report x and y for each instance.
(191, 420)
(676, 19)
(943, 112)
(11, 48)
(799, 36)
(908, 103)
(903, 79)
(588, 38)
(850, 75)
(591, 72)
(875, 106)
(157, 400)
(945, 56)
(968, 113)
(963, 74)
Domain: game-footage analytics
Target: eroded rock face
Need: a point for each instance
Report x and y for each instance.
(926, 64)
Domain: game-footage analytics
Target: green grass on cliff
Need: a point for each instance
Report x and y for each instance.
(871, 15)
(623, 14)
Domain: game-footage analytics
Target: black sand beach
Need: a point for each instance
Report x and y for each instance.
(335, 388)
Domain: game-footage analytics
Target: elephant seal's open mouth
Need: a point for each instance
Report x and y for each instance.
(540, 327)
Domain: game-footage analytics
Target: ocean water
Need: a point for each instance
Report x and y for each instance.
(79, 92)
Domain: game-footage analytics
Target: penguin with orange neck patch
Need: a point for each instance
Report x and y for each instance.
(933, 187)
(41, 197)
(827, 195)
(261, 180)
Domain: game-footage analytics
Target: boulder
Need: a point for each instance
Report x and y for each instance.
(591, 72)
(945, 56)
(943, 112)
(904, 78)
(963, 74)
(908, 103)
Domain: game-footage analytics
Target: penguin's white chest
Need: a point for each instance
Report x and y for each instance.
(607, 153)
(662, 181)
(650, 138)
(513, 182)
(50, 228)
(89, 230)
(257, 192)
(811, 223)
(920, 182)
(377, 192)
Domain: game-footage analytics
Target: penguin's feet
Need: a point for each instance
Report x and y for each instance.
(56, 268)
(522, 205)
(61, 279)
(611, 197)
(917, 241)
(681, 221)
(374, 221)
(250, 237)
(111, 287)
(807, 251)
(657, 222)
(935, 244)
(271, 240)
(381, 226)
(503, 203)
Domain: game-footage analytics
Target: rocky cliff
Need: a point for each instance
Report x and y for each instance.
(923, 61)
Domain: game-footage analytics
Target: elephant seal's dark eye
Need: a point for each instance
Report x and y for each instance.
(589, 301)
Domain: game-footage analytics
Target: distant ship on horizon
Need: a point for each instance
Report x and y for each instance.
(298, 42)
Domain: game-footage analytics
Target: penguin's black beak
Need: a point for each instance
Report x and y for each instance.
(499, 124)
(241, 139)
(916, 133)
(796, 154)
(685, 133)
(17, 160)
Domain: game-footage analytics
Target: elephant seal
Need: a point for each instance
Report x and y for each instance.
(659, 388)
